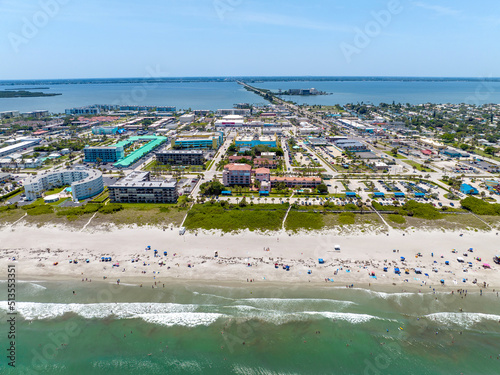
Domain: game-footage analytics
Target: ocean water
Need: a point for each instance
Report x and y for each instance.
(214, 93)
(250, 329)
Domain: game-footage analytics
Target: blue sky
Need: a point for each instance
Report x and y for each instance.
(172, 38)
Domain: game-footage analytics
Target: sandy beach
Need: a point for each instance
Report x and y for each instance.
(49, 252)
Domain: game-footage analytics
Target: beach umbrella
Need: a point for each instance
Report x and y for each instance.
(447, 263)
(426, 274)
(442, 281)
(486, 265)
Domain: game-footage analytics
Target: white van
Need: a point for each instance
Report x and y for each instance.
(182, 230)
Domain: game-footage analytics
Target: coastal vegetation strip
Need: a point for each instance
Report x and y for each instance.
(24, 94)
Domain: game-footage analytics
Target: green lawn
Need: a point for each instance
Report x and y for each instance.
(418, 166)
(398, 156)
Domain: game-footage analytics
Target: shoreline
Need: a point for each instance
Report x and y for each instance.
(191, 258)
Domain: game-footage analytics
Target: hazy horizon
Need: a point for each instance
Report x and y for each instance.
(65, 39)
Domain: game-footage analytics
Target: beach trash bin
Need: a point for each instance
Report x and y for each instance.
(165, 253)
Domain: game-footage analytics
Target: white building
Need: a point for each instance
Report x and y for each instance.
(234, 111)
(85, 183)
(186, 119)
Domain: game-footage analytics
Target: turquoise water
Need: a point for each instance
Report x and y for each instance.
(203, 329)
(214, 95)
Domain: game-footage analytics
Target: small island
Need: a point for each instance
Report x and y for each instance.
(23, 94)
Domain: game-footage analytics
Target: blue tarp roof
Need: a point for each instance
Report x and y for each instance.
(399, 194)
(350, 194)
(420, 194)
(227, 192)
(379, 194)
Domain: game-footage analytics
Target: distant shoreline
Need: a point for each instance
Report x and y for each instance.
(250, 79)
(23, 94)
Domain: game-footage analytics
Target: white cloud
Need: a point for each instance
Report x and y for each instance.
(293, 22)
(438, 9)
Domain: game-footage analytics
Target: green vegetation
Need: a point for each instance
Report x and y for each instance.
(303, 220)
(480, 207)
(396, 156)
(254, 217)
(398, 219)
(24, 94)
(347, 218)
(417, 166)
(412, 208)
(37, 209)
(11, 194)
(211, 188)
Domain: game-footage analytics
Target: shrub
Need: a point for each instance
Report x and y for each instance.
(40, 210)
(480, 207)
(422, 210)
(110, 208)
(9, 207)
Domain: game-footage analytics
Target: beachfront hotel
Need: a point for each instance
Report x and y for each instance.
(85, 183)
(138, 188)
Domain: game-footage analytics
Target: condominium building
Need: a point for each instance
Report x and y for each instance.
(138, 188)
(106, 154)
(85, 183)
(237, 174)
(198, 140)
(181, 157)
